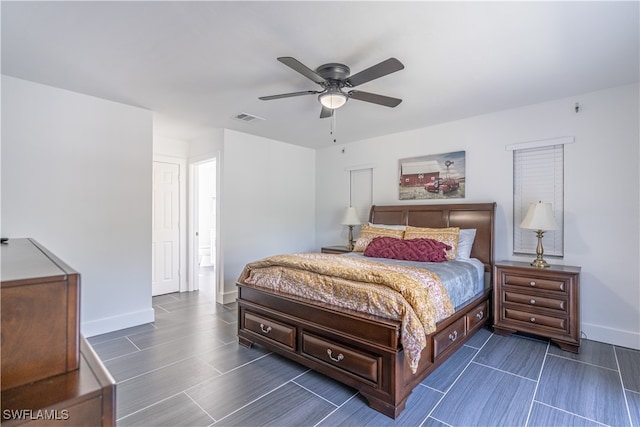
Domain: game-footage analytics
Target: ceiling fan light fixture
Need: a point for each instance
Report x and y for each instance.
(335, 77)
(333, 98)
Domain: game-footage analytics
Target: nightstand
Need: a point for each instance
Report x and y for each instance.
(538, 301)
(339, 249)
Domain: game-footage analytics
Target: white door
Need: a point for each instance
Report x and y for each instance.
(166, 231)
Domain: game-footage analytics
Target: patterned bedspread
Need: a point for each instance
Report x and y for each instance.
(463, 279)
(414, 296)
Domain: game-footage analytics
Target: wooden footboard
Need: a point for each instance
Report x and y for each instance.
(358, 350)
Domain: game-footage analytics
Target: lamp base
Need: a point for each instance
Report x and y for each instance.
(350, 245)
(540, 263)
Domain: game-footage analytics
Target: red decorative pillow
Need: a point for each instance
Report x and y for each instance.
(425, 250)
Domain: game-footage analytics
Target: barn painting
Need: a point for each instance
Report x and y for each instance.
(437, 176)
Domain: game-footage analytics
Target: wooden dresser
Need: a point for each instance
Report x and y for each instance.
(538, 301)
(50, 375)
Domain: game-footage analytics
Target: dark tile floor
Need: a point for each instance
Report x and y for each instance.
(186, 369)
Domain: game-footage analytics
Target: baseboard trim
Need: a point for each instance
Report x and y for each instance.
(629, 339)
(115, 323)
(227, 297)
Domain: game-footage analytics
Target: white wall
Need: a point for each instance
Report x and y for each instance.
(206, 147)
(602, 212)
(170, 147)
(268, 200)
(76, 176)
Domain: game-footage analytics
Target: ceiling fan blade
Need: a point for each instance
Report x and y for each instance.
(375, 98)
(326, 112)
(389, 66)
(302, 69)
(289, 95)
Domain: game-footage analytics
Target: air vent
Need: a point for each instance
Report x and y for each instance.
(247, 118)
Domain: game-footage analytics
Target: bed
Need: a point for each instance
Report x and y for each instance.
(362, 350)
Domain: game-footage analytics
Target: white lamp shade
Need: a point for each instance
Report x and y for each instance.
(350, 217)
(539, 217)
(333, 98)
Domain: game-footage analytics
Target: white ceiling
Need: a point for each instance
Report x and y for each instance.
(198, 64)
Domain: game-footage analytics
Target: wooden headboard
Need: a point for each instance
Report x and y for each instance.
(469, 215)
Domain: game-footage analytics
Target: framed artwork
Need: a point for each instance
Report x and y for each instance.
(437, 176)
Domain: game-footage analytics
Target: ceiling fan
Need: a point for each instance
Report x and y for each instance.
(335, 81)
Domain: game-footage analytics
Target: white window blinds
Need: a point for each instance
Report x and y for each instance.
(361, 191)
(538, 175)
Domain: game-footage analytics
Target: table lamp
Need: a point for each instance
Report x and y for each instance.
(539, 218)
(351, 219)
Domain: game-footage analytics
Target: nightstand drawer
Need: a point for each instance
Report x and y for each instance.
(341, 356)
(536, 319)
(535, 283)
(269, 328)
(536, 301)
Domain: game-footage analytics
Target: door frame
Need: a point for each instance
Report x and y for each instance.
(193, 225)
(182, 216)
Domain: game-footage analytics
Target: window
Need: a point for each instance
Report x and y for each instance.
(361, 191)
(538, 175)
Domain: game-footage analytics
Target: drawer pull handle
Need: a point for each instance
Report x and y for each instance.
(335, 359)
(532, 283)
(453, 336)
(533, 320)
(480, 315)
(532, 301)
(265, 330)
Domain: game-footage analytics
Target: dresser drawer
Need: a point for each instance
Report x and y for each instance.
(536, 319)
(348, 359)
(477, 315)
(279, 332)
(535, 283)
(447, 337)
(536, 301)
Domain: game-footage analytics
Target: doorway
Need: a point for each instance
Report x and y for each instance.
(204, 259)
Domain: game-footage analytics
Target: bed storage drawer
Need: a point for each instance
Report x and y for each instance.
(276, 331)
(348, 359)
(477, 315)
(457, 330)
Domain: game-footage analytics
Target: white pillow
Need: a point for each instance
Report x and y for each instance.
(389, 227)
(465, 243)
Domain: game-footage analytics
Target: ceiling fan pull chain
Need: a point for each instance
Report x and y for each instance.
(333, 124)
